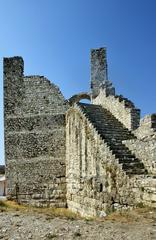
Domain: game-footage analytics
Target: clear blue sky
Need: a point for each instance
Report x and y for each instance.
(55, 37)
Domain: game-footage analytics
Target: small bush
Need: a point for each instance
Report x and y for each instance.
(140, 205)
(51, 236)
(2, 204)
(77, 234)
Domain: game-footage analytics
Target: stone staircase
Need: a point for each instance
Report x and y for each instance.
(113, 133)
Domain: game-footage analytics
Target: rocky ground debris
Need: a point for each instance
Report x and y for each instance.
(17, 225)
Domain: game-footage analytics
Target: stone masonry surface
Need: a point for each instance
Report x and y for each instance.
(92, 158)
(34, 137)
(99, 72)
(102, 174)
(123, 109)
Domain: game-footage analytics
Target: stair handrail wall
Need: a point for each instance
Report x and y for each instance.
(122, 108)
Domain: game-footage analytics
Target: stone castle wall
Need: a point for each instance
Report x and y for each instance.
(123, 109)
(147, 127)
(144, 146)
(96, 183)
(93, 162)
(144, 149)
(34, 137)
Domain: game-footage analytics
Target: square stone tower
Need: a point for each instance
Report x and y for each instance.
(34, 117)
(99, 73)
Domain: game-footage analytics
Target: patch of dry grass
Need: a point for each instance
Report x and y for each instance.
(57, 212)
(10, 205)
(2, 204)
(49, 212)
(144, 214)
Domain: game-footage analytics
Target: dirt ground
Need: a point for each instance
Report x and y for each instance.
(20, 223)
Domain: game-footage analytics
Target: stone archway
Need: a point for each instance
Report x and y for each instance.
(77, 97)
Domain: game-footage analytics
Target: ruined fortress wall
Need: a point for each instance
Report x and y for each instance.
(96, 183)
(98, 69)
(13, 84)
(147, 127)
(48, 164)
(144, 149)
(121, 108)
(99, 72)
(34, 137)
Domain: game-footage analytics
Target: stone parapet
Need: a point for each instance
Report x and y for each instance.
(145, 150)
(123, 109)
(147, 127)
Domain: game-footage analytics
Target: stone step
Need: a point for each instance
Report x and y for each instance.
(108, 128)
(135, 171)
(98, 119)
(128, 160)
(124, 156)
(113, 126)
(114, 136)
(133, 164)
(112, 130)
(122, 152)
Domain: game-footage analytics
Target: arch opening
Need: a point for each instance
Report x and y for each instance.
(80, 97)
